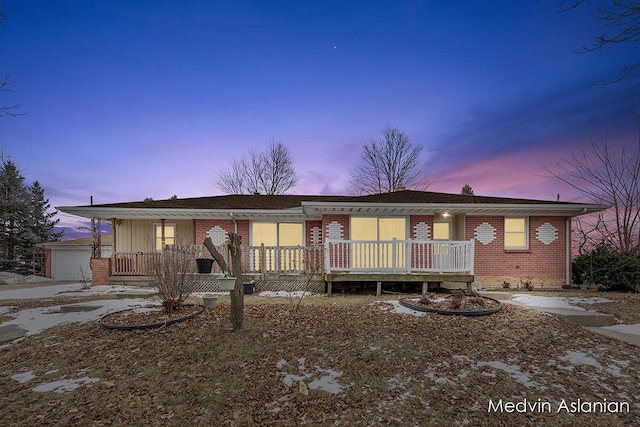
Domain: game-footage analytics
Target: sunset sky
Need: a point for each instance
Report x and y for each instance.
(132, 99)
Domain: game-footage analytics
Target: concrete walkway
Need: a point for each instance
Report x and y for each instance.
(591, 320)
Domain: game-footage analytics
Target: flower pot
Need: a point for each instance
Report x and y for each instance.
(227, 283)
(204, 265)
(209, 300)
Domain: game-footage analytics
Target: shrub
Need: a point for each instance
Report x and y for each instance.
(172, 282)
(456, 299)
(506, 284)
(526, 283)
(610, 269)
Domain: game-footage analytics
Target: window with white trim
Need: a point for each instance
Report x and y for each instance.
(516, 234)
(169, 235)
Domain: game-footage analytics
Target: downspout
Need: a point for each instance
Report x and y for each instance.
(235, 223)
(567, 228)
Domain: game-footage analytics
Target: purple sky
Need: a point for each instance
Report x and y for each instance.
(127, 100)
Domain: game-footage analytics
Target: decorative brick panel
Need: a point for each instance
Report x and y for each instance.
(421, 226)
(546, 233)
(204, 226)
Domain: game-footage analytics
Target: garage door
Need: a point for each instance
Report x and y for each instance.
(70, 264)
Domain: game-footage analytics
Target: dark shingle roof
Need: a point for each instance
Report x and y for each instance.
(258, 201)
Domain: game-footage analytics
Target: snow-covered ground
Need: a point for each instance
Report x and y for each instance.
(73, 289)
(35, 320)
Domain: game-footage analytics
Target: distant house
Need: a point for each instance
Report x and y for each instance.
(392, 237)
(69, 260)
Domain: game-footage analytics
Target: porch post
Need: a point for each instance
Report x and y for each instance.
(114, 247)
(379, 288)
(263, 258)
(425, 288)
(162, 233)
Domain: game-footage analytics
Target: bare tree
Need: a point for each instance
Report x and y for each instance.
(388, 164)
(611, 178)
(269, 172)
(6, 110)
(237, 294)
(622, 19)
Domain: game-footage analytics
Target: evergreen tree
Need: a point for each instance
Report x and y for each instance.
(24, 220)
(14, 210)
(41, 228)
(467, 190)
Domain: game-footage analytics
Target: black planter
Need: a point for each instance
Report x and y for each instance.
(204, 265)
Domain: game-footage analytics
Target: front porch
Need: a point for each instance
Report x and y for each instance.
(337, 261)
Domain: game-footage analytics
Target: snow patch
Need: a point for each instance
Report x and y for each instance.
(23, 377)
(64, 386)
(395, 307)
(37, 320)
(285, 294)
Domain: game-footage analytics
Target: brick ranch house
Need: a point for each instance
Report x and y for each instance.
(397, 237)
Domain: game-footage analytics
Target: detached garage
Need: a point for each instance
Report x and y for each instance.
(69, 260)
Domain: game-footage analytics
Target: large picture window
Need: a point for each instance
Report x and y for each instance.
(283, 242)
(375, 229)
(516, 233)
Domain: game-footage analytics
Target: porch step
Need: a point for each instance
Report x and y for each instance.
(143, 281)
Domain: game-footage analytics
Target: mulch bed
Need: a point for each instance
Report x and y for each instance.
(451, 303)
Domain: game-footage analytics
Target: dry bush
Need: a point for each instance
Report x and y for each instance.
(425, 300)
(173, 284)
(456, 298)
(478, 301)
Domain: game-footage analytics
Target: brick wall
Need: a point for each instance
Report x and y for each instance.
(100, 270)
(543, 264)
(202, 227)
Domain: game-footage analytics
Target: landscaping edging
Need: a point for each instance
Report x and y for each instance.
(150, 325)
(469, 313)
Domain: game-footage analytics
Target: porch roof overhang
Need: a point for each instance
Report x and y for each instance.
(315, 210)
(184, 214)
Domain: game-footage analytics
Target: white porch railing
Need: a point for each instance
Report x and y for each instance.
(255, 260)
(398, 256)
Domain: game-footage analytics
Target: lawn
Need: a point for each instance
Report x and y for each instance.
(337, 361)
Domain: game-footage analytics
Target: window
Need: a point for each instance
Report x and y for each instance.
(374, 229)
(441, 231)
(515, 233)
(169, 235)
(282, 241)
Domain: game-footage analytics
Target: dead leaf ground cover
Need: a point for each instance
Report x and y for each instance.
(336, 361)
